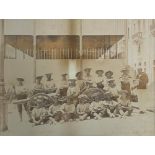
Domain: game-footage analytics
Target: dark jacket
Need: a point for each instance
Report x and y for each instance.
(143, 80)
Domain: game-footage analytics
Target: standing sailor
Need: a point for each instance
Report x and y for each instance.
(125, 80)
(62, 91)
(21, 93)
(99, 79)
(38, 86)
(80, 83)
(108, 77)
(142, 88)
(71, 89)
(142, 78)
(87, 76)
(49, 83)
(71, 92)
(64, 80)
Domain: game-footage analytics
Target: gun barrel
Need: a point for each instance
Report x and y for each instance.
(21, 101)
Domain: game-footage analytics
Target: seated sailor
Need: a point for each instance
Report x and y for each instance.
(111, 105)
(82, 109)
(97, 109)
(125, 107)
(68, 109)
(39, 113)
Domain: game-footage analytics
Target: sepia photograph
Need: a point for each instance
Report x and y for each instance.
(77, 77)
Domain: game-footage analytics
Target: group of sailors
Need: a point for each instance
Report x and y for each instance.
(116, 102)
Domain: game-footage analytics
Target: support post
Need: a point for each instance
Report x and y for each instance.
(81, 46)
(34, 50)
(3, 101)
(126, 42)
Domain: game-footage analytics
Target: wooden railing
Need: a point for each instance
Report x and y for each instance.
(58, 53)
(64, 53)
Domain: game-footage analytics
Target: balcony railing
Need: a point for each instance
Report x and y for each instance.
(58, 53)
(152, 29)
(65, 53)
(137, 37)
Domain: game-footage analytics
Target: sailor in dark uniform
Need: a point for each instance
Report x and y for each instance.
(99, 80)
(108, 77)
(142, 88)
(80, 83)
(63, 86)
(126, 80)
(142, 78)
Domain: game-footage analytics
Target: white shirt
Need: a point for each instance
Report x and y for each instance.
(99, 79)
(49, 84)
(71, 91)
(20, 89)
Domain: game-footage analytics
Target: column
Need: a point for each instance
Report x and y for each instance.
(109, 54)
(126, 55)
(116, 48)
(81, 46)
(3, 103)
(34, 50)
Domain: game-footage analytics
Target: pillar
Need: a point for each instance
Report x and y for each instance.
(126, 55)
(81, 46)
(34, 50)
(3, 103)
